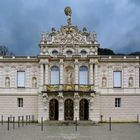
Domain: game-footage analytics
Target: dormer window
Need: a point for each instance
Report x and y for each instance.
(69, 52)
(83, 52)
(55, 52)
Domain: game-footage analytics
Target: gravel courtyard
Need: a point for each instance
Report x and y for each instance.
(125, 131)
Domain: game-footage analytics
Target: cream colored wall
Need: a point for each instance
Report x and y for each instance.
(128, 70)
(130, 107)
(8, 106)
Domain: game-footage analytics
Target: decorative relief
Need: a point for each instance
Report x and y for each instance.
(45, 100)
(53, 87)
(73, 37)
(84, 87)
(69, 87)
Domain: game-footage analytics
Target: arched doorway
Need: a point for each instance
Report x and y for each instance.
(68, 109)
(53, 109)
(84, 109)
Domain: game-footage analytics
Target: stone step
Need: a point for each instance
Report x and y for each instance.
(69, 123)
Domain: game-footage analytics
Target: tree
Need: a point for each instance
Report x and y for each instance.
(105, 51)
(4, 51)
(135, 53)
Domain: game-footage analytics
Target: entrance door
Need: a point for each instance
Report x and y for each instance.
(69, 109)
(84, 109)
(53, 109)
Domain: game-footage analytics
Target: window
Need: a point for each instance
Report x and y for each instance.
(83, 75)
(55, 52)
(117, 79)
(83, 52)
(117, 102)
(54, 75)
(69, 52)
(21, 79)
(20, 102)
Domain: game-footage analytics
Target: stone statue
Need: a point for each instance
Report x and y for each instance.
(34, 82)
(69, 77)
(68, 13)
(7, 82)
(104, 82)
(130, 83)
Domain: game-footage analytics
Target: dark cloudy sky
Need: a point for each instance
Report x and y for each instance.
(116, 22)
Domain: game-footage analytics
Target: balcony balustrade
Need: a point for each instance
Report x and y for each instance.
(68, 88)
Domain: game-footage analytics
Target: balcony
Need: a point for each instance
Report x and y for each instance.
(68, 88)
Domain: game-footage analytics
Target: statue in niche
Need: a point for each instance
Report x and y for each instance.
(34, 82)
(104, 82)
(7, 82)
(69, 77)
(130, 82)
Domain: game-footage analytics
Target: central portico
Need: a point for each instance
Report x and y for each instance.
(68, 74)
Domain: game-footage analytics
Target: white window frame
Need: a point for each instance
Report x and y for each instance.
(117, 81)
(21, 79)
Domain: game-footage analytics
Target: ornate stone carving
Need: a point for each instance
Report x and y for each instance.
(84, 87)
(130, 82)
(45, 100)
(53, 87)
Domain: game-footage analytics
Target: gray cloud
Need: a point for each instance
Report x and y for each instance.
(116, 22)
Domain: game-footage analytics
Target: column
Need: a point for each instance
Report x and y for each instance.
(76, 71)
(47, 73)
(41, 74)
(61, 63)
(76, 106)
(137, 72)
(61, 107)
(96, 76)
(91, 72)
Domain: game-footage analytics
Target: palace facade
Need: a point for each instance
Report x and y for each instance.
(69, 80)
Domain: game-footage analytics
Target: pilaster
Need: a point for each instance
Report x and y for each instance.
(76, 71)
(76, 106)
(47, 72)
(91, 72)
(41, 74)
(96, 75)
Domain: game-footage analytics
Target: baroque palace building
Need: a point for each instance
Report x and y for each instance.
(69, 80)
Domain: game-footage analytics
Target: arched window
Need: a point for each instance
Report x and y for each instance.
(54, 75)
(83, 75)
